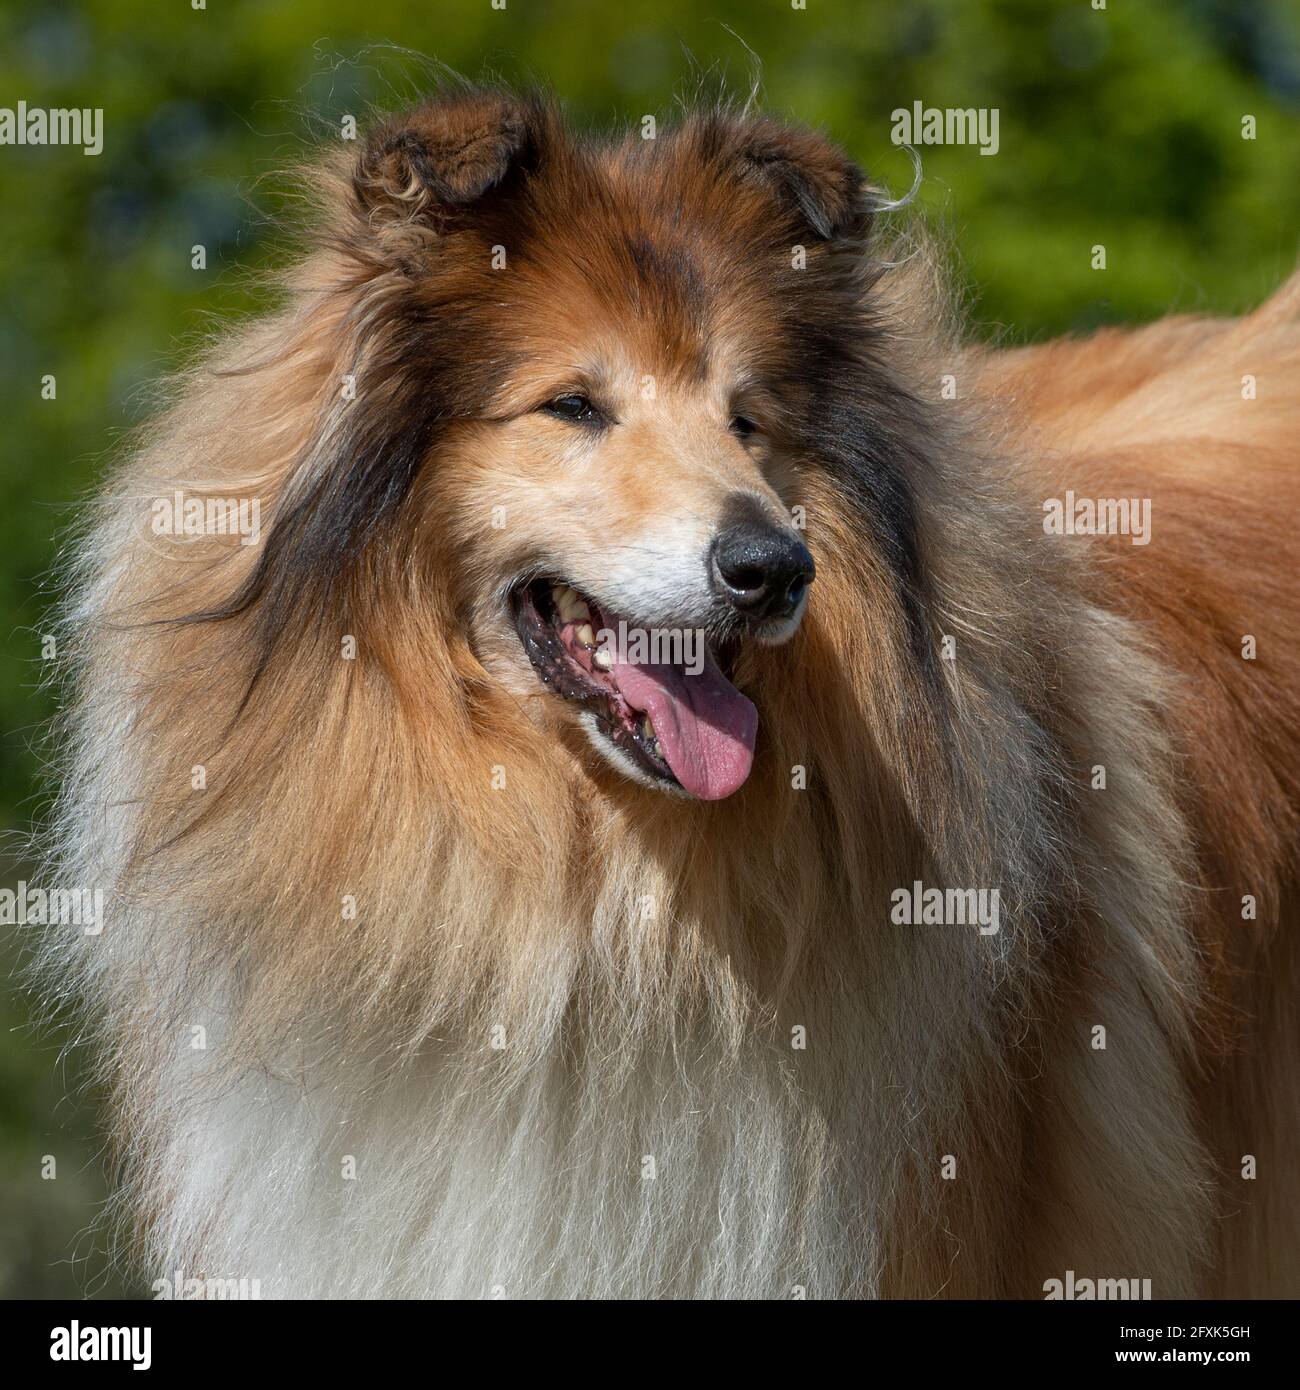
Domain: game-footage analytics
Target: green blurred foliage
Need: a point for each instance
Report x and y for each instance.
(1120, 126)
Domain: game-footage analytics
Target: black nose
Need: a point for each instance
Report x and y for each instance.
(762, 570)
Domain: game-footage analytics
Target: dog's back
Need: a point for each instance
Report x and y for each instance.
(1200, 419)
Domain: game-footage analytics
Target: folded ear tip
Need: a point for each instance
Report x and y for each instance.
(828, 189)
(444, 153)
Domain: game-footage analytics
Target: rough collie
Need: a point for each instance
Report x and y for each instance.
(625, 759)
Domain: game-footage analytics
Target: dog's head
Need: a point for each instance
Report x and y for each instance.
(593, 374)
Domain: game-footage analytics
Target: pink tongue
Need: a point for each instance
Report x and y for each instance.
(704, 725)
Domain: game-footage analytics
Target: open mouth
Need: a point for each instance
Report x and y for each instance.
(657, 700)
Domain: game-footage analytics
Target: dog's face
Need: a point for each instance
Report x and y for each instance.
(615, 353)
(644, 532)
(633, 452)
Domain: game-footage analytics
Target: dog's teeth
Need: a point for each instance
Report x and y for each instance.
(568, 605)
(603, 659)
(586, 636)
(647, 727)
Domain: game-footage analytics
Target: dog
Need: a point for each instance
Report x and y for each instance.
(628, 759)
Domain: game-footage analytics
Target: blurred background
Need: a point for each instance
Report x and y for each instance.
(1119, 125)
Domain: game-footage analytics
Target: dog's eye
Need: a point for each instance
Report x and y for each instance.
(574, 407)
(742, 426)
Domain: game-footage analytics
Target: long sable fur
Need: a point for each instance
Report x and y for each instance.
(544, 987)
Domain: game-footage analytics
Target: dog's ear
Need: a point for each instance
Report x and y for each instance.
(810, 175)
(440, 158)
